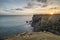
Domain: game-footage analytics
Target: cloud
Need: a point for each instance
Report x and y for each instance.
(34, 8)
(44, 1)
(31, 11)
(34, 3)
(18, 9)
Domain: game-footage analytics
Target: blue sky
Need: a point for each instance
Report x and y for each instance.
(11, 4)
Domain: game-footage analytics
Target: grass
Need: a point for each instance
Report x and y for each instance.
(35, 36)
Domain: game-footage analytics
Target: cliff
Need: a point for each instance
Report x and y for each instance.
(46, 22)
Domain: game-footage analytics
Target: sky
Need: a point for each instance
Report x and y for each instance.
(22, 6)
(11, 4)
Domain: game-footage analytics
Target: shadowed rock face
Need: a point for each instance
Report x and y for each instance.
(46, 22)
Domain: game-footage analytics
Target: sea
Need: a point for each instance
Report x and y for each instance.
(14, 24)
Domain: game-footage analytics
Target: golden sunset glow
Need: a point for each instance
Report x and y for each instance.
(51, 13)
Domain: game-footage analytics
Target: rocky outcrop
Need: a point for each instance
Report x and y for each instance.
(46, 22)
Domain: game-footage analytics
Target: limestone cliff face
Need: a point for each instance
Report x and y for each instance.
(46, 22)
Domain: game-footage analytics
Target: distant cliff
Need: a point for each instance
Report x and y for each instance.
(46, 22)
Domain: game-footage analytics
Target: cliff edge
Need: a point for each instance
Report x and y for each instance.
(34, 36)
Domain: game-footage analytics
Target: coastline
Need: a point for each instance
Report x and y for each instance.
(41, 30)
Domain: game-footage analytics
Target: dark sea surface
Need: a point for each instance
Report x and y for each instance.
(14, 24)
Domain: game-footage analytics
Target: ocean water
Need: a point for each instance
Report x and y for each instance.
(11, 25)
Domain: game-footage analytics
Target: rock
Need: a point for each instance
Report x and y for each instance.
(26, 21)
(46, 22)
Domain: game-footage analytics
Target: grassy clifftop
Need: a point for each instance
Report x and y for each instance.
(35, 36)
